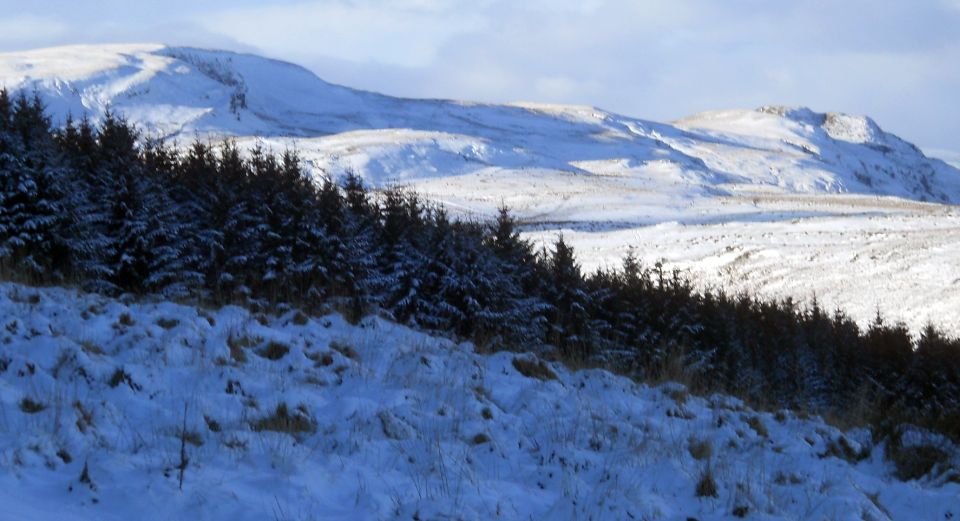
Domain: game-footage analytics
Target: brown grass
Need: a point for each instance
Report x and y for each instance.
(345, 350)
(321, 359)
(917, 461)
(167, 323)
(212, 424)
(192, 437)
(283, 421)
(274, 351)
(480, 439)
(841, 448)
(90, 348)
(758, 426)
(701, 450)
(533, 368)
(85, 417)
(679, 395)
(707, 485)
(31, 406)
(238, 345)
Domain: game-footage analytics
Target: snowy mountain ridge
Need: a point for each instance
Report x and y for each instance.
(181, 93)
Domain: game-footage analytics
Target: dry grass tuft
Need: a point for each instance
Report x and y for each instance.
(321, 359)
(345, 349)
(701, 450)
(90, 348)
(679, 395)
(841, 448)
(167, 323)
(707, 485)
(274, 351)
(757, 425)
(533, 368)
(238, 345)
(480, 439)
(917, 461)
(212, 424)
(299, 319)
(31, 406)
(282, 420)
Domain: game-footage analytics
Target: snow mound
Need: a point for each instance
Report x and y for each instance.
(853, 129)
(106, 402)
(841, 127)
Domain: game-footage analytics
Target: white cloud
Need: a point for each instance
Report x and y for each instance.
(24, 27)
(407, 33)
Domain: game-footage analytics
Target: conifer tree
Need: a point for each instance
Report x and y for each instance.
(517, 314)
(34, 207)
(570, 319)
(142, 227)
(358, 273)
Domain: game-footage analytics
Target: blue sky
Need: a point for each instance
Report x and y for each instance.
(897, 61)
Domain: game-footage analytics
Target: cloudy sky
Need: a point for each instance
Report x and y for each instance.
(896, 60)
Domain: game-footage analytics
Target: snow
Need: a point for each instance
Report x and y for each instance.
(687, 192)
(859, 254)
(397, 416)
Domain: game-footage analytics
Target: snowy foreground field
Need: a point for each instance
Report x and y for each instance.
(103, 403)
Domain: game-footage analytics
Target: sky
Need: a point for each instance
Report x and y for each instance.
(896, 61)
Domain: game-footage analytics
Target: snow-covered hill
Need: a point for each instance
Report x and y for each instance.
(295, 417)
(731, 181)
(180, 92)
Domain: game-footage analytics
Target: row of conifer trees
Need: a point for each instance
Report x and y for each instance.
(104, 208)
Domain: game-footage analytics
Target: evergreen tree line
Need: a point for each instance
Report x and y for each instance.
(103, 208)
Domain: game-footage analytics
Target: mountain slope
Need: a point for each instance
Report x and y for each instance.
(182, 92)
(832, 152)
(103, 401)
